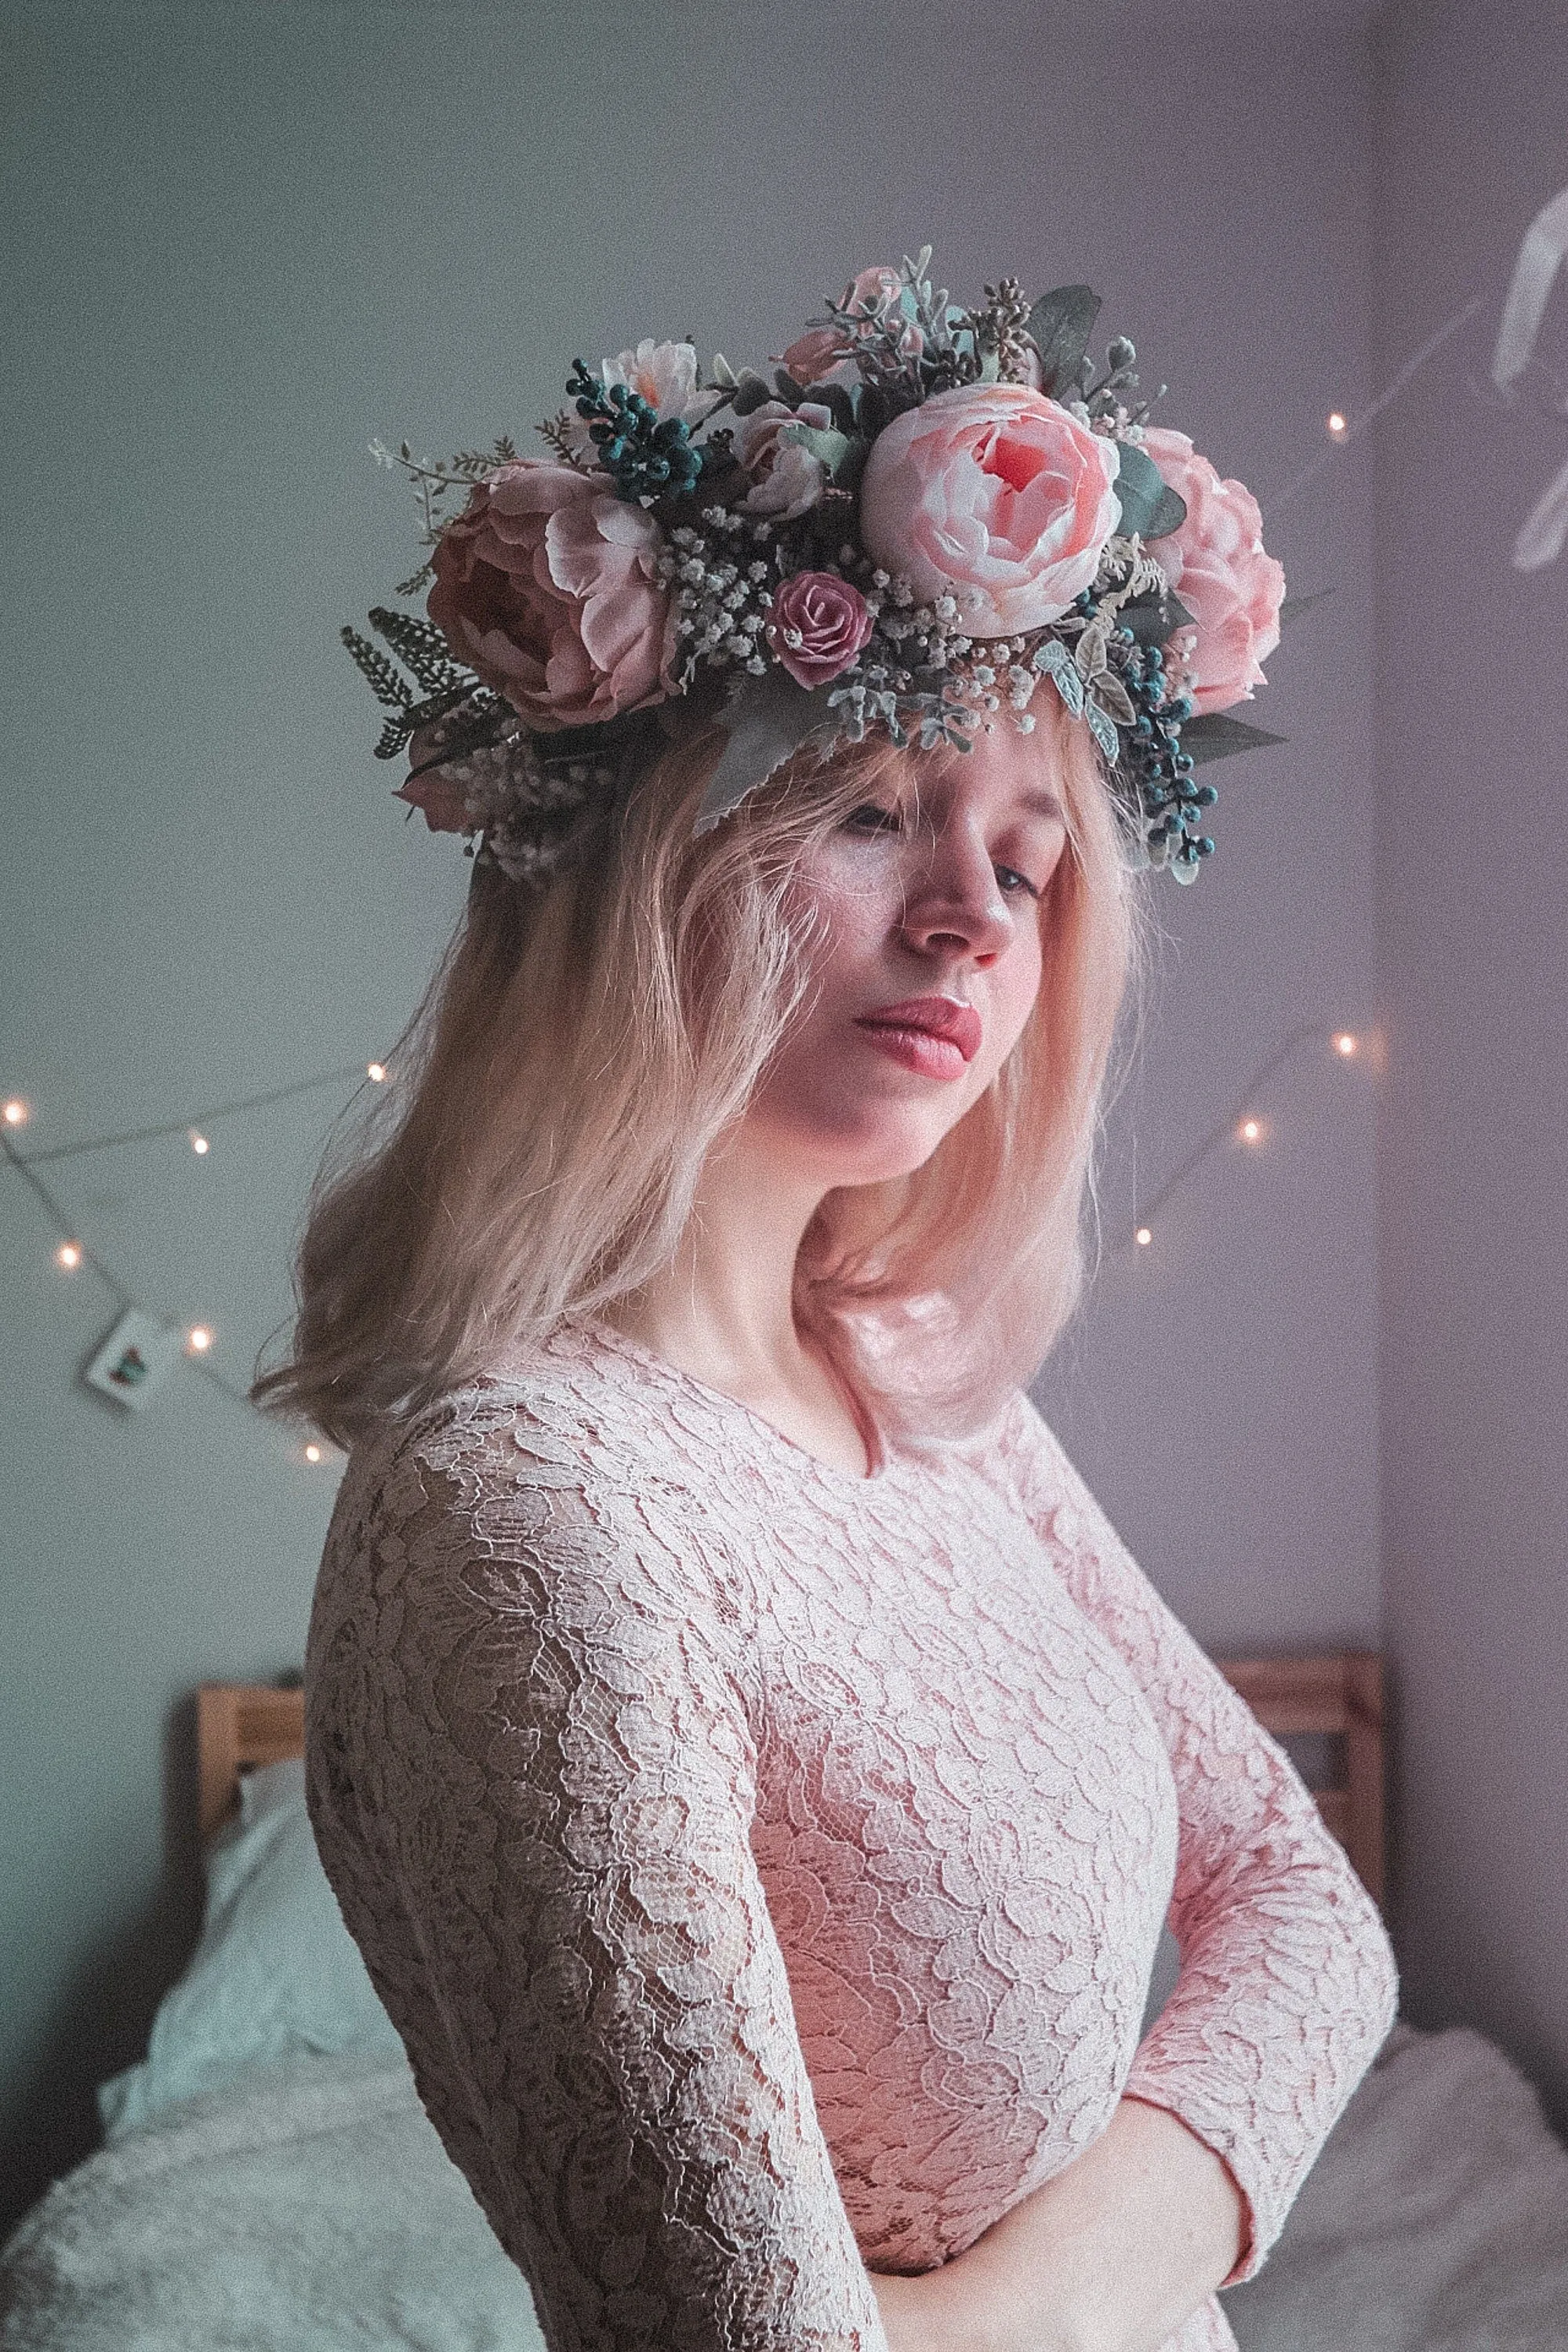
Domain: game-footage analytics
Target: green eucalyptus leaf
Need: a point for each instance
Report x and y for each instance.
(1060, 325)
(1153, 617)
(1148, 505)
(1294, 606)
(841, 456)
(791, 393)
(838, 399)
(722, 373)
(769, 718)
(750, 391)
(1216, 735)
(1113, 698)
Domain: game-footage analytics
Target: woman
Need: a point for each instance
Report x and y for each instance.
(753, 1770)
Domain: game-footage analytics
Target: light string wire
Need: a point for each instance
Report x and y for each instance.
(26, 1165)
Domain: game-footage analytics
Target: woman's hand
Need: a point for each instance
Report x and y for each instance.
(1110, 2255)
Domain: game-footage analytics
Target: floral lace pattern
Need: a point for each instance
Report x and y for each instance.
(764, 1866)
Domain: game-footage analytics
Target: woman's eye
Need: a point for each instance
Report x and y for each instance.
(1012, 882)
(871, 817)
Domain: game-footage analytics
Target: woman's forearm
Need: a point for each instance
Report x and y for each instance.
(1112, 2256)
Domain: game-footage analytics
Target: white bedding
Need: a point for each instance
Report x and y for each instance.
(311, 2207)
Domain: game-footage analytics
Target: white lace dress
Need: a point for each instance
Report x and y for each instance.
(763, 1866)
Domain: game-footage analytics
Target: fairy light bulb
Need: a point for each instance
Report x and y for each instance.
(15, 1112)
(1339, 424)
(313, 1453)
(199, 1144)
(1251, 1130)
(69, 1254)
(1345, 1043)
(1143, 1237)
(376, 1072)
(198, 1339)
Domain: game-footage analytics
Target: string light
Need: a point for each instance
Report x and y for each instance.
(376, 1072)
(69, 1254)
(1339, 425)
(313, 1453)
(1251, 1130)
(199, 1144)
(198, 1339)
(1143, 1237)
(1345, 1043)
(15, 1113)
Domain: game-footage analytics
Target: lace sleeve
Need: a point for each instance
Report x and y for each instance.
(1288, 1983)
(531, 1771)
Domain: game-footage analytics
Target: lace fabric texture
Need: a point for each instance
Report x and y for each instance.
(764, 1866)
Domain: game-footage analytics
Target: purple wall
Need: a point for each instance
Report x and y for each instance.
(1472, 884)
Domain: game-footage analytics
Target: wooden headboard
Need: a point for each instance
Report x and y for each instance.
(239, 1724)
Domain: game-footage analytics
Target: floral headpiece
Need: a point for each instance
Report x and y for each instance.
(923, 515)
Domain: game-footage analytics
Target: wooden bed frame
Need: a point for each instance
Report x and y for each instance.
(240, 1725)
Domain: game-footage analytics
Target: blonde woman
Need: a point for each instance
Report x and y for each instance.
(752, 1767)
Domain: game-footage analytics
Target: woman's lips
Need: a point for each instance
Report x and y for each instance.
(934, 1035)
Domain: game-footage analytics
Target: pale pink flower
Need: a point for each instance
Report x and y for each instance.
(1218, 564)
(818, 626)
(786, 478)
(665, 375)
(546, 586)
(440, 800)
(994, 494)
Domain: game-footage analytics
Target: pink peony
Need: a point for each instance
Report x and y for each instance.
(786, 478)
(545, 585)
(817, 627)
(995, 494)
(1218, 566)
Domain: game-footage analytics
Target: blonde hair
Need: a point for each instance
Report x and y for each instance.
(579, 1051)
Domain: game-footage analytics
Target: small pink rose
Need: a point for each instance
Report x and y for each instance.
(817, 627)
(994, 493)
(547, 587)
(1218, 566)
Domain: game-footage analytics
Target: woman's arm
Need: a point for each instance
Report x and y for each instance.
(530, 1774)
(1288, 1987)
(1112, 2256)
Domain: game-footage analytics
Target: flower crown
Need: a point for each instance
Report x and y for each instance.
(924, 514)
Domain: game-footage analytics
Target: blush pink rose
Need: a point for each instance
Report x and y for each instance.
(786, 478)
(1218, 566)
(547, 586)
(869, 295)
(818, 626)
(813, 357)
(439, 799)
(994, 494)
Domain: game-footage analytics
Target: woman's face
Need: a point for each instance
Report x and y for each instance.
(926, 962)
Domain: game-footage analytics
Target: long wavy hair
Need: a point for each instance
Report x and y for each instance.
(579, 1050)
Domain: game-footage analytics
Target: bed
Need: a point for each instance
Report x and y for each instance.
(270, 2182)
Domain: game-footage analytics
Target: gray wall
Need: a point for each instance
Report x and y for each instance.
(1473, 953)
(243, 241)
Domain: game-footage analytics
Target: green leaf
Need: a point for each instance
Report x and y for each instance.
(1294, 606)
(750, 391)
(1153, 617)
(1148, 505)
(769, 718)
(1216, 735)
(1103, 729)
(1053, 658)
(1113, 699)
(840, 401)
(722, 373)
(841, 456)
(1060, 325)
(791, 393)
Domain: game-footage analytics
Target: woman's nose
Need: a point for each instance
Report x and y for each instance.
(955, 900)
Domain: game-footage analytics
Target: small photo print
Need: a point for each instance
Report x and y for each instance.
(133, 1360)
